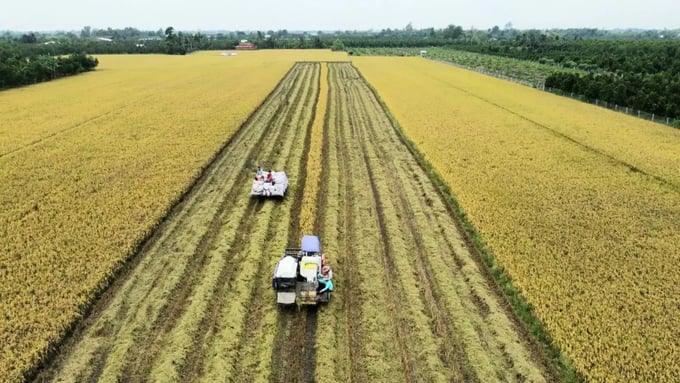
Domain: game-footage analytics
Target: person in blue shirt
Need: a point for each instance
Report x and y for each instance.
(327, 284)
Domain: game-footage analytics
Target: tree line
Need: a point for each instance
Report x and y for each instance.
(18, 70)
(657, 93)
(637, 69)
(641, 74)
(631, 68)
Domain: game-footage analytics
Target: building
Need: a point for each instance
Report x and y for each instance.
(245, 45)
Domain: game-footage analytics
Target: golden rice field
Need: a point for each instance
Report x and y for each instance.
(581, 205)
(130, 249)
(193, 301)
(90, 164)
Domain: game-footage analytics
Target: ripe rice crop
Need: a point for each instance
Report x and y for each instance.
(308, 213)
(90, 165)
(579, 204)
(411, 303)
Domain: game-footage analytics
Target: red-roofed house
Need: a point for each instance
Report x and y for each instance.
(243, 45)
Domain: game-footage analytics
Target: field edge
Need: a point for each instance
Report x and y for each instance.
(557, 363)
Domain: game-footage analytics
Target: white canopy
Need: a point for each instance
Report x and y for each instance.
(286, 268)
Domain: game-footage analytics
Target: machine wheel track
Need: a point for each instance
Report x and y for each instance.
(171, 313)
(288, 363)
(209, 324)
(390, 269)
(352, 307)
(195, 363)
(180, 212)
(293, 234)
(452, 352)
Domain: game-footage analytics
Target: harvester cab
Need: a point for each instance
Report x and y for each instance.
(297, 277)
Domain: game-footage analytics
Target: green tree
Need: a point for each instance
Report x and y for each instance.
(86, 32)
(29, 38)
(169, 33)
(453, 32)
(338, 45)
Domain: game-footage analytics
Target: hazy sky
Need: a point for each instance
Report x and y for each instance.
(42, 15)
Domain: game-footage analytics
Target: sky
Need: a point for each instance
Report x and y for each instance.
(325, 15)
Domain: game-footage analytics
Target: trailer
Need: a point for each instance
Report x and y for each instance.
(264, 186)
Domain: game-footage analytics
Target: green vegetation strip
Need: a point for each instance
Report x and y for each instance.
(530, 73)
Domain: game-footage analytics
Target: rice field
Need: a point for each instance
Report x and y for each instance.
(579, 204)
(131, 250)
(196, 305)
(188, 295)
(91, 164)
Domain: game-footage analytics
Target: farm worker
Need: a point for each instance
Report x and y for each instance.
(327, 284)
(270, 177)
(327, 272)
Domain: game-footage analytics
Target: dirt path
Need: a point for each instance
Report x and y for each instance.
(411, 300)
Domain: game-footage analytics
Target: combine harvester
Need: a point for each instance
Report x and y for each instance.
(301, 275)
(269, 184)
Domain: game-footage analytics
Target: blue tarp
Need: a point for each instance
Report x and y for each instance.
(310, 243)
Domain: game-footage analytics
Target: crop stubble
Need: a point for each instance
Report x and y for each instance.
(411, 302)
(177, 275)
(577, 204)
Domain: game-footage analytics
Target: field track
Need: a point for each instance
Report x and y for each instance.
(411, 301)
